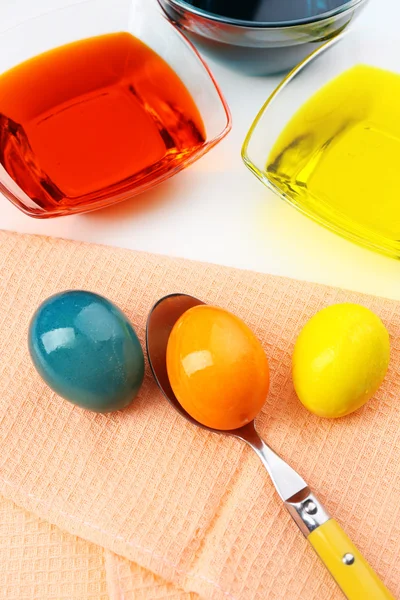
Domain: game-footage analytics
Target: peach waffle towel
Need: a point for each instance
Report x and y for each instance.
(140, 504)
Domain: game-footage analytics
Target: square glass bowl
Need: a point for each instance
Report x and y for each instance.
(28, 29)
(374, 223)
(260, 47)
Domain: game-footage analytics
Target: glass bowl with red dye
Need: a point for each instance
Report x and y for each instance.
(99, 101)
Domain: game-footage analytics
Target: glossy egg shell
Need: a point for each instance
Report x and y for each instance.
(340, 359)
(86, 350)
(217, 368)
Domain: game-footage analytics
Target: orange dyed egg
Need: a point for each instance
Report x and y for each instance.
(217, 368)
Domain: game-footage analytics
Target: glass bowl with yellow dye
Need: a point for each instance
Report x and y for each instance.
(328, 140)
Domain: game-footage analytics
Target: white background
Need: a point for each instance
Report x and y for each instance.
(217, 211)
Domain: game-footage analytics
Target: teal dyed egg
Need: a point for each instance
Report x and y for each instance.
(86, 350)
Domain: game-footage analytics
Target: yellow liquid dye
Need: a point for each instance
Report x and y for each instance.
(338, 159)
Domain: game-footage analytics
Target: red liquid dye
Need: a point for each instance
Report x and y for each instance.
(94, 118)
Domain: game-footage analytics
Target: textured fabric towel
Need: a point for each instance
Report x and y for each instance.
(140, 504)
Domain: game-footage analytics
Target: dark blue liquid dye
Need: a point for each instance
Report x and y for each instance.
(273, 11)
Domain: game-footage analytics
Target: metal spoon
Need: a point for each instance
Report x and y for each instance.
(345, 563)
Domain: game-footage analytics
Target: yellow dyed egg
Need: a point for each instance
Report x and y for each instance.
(340, 359)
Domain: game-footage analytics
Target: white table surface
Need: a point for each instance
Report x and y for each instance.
(217, 211)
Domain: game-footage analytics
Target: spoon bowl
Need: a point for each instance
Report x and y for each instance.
(161, 321)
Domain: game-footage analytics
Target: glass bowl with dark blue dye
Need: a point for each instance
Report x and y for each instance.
(262, 37)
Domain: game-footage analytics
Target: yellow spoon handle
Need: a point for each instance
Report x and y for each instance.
(342, 559)
(347, 566)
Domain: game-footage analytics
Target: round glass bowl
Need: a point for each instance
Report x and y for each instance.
(29, 29)
(259, 48)
(366, 183)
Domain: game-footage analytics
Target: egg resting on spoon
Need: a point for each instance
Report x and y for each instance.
(217, 368)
